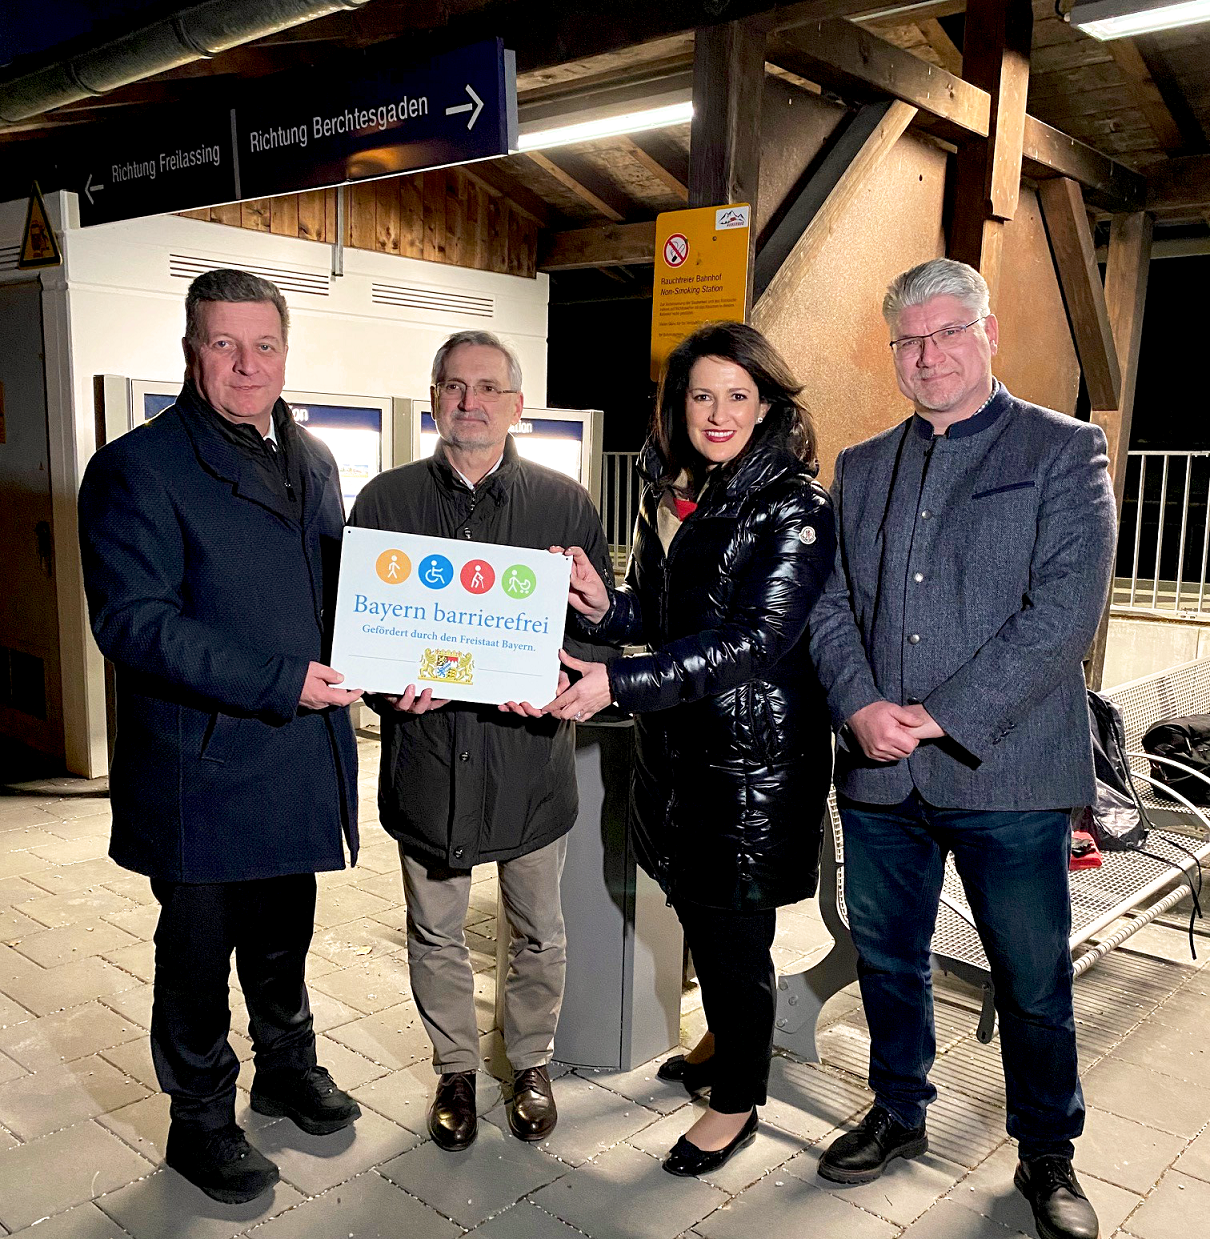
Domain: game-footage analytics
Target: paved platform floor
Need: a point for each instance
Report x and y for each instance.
(82, 1125)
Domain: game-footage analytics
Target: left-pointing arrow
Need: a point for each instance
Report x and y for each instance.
(89, 187)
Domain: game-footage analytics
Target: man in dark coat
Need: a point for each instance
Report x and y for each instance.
(209, 538)
(975, 548)
(465, 784)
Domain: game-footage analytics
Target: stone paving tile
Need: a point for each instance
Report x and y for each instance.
(67, 1035)
(69, 852)
(27, 839)
(166, 1206)
(132, 1004)
(471, 1186)
(1195, 1160)
(947, 1220)
(13, 1012)
(771, 1148)
(368, 1207)
(641, 1085)
(809, 1101)
(18, 891)
(86, 875)
(784, 1207)
(144, 1124)
(404, 1096)
(62, 1096)
(132, 886)
(10, 1069)
(348, 1068)
(55, 911)
(903, 1192)
(394, 1038)
(51, 947)
(52, 989)
(990, 1191)
(15, 864)
(1148, 1097)
(138, 959)
(1179, 1206)
(14, 925)
(83, 1222)
(524, 1221)
(68, 1168)
(328, 1012)
(357, 941)
(346, 903)
(591, 1119)
(1124, 1152)
(370, 986)
(388, 886)
(133, 1058)
(315, 1163)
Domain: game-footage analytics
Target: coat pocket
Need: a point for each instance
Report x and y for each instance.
(1001, 490)
(220, 738)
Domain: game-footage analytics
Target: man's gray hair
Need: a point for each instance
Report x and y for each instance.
(939, 277)
(488, 340)
(229, 284)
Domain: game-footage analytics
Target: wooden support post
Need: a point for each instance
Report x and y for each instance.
(1126, 294)
(1075, 258)
(995, 57)
(873, 151)
(724, 137)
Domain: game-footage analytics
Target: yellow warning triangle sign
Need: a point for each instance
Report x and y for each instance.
(39, 248)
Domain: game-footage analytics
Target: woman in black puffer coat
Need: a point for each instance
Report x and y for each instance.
(733, 544)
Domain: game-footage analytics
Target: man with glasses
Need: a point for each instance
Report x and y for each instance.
(465, 784)
(976, 545)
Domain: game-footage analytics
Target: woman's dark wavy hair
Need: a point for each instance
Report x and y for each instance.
(787, 423)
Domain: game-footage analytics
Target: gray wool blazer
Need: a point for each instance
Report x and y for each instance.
(971, 572)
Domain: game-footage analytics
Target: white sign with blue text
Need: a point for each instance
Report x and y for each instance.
(471, 620)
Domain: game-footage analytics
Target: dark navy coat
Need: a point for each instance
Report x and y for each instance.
(734, 754)
(206, 589)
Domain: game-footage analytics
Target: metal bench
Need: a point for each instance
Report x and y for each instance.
(1128, 884)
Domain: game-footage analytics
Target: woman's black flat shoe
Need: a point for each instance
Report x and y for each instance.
(688, 1161)
(696, 1077)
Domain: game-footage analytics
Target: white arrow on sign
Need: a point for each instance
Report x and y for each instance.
(474, 107)
(89, 187)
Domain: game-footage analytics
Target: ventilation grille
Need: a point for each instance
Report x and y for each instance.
(8, 256)
(288, 279)
(461, 304)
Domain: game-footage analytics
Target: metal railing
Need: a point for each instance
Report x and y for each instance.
(1164, 539)
(620, 489)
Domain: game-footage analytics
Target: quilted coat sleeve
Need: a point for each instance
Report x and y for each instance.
(781, 581)
(134, 576)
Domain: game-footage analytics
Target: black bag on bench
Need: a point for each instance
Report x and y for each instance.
(1186, 740)
(1117, 821)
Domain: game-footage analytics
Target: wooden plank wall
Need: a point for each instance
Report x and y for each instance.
(442, 216)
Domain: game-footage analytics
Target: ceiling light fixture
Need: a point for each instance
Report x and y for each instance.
(609, 126)
(1120, 19)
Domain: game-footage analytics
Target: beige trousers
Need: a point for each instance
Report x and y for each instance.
(439, 962)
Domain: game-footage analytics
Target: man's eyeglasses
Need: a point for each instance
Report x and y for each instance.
(455, 389)
(944, 338)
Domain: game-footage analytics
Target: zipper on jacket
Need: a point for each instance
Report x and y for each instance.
(466, 529)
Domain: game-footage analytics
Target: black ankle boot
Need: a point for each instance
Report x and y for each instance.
(862, 1155)
(222, 1163)
(1061, 1210)
(696, 1077)
(309, 1097)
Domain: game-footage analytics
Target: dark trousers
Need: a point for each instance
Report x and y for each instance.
(739, 993)
(268, 923)
(1014, 869)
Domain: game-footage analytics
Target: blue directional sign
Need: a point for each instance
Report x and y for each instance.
(298, 134)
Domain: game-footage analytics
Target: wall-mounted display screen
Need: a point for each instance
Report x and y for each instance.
(354, 435)
(556, 443)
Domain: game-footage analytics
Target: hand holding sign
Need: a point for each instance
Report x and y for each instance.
(590, 693)
(587, 592)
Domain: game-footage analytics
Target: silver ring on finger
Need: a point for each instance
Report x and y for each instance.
(579, 715)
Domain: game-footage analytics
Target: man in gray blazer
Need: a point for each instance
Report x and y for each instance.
(975, 548)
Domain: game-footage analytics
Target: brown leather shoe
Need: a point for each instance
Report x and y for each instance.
(453, 1121)
(531, 1113)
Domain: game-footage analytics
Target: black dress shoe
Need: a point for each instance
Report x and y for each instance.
(696, 1077)
(309, 1097)
(687, 1160)
(222, 1163)
(1061, 1210)
(453, 1120)
(531, 1113)
(862, 1155)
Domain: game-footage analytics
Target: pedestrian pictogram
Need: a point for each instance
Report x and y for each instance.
(393, 566)
(676, 249)
(478, 576)
(38, 245)
(518, 581)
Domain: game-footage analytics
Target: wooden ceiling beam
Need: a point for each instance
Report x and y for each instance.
(610, 245)
(1075, 257)
(663, 158)
(1045, 152)
(1146, 93)
(1180, 184)
(938, 39)
(495, 177)
(575, 173)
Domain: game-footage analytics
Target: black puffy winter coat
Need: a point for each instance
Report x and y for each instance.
(734, 740)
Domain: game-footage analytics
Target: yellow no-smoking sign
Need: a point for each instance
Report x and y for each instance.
(701, 273)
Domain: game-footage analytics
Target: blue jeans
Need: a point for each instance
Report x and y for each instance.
(1014, 869)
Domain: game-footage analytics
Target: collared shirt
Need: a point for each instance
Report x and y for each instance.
(468, 483)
